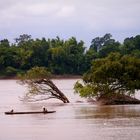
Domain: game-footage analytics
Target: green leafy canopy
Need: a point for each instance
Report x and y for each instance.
(113, 74)
(36, 73)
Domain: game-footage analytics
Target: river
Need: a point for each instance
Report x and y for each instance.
(73, 121)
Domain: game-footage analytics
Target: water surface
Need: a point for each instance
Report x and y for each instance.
(73, 121)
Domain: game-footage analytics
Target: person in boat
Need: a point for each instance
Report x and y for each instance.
(44, 109)
(12, 111)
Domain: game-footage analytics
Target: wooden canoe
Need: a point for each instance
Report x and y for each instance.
(34, 112)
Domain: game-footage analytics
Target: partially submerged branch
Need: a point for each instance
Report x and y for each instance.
(39, 83)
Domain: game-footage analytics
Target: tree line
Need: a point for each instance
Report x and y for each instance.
(60, 56)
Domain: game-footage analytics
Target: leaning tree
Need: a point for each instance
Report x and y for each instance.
(40, 86)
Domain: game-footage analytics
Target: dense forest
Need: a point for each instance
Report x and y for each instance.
(60, 56)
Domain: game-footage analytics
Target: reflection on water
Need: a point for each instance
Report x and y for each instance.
(74, 121)
(110, 112)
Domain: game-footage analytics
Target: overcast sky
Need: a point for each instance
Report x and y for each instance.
(84, 19)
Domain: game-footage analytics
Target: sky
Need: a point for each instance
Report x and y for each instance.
(83, 19)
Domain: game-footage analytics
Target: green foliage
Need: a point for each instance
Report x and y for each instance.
(31, 77)
(9, 57)
(61, 56)
(131, 44)
(39, 85)
(110, 75)
(109, 48)
(4, 43)
(10, 71)
(84, 90)
(36, 73)
(67, 57)
(99, 42)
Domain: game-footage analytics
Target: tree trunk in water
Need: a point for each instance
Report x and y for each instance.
(56, 92)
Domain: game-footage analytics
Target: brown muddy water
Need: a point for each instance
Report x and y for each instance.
(73, 121)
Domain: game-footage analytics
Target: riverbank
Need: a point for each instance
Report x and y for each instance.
(52, 77)
(66, 76)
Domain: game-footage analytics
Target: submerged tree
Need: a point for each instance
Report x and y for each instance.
(111, 76)
(40, 84)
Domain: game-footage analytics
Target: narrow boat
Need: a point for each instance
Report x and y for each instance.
(34, 112)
